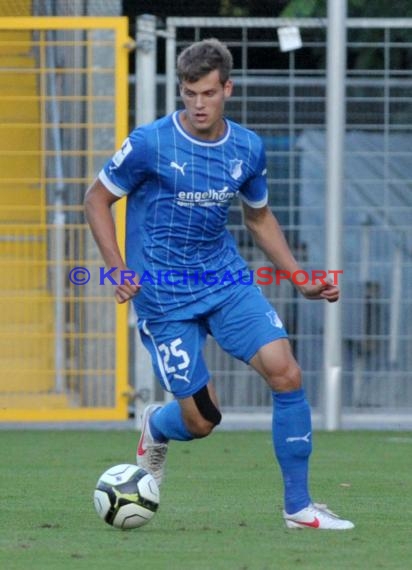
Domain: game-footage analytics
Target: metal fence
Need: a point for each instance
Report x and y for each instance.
(282, 95)
(63, 349)
(63, 94)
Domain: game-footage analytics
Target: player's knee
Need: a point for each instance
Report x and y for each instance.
(199, 427)
(286, 379)
(207, 417)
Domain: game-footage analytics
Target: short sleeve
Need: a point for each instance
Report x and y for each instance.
(254, 191)
(127, 168)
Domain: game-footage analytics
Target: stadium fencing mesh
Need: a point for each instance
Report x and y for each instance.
(63, 110)
(282, 95)
(11, 8)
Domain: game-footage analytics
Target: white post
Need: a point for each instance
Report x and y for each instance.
(335, 111)
(146, 69)
(146, 59)
(364, 272)
(170, 68)
(59, 219)
(395, 315)
(59, 303)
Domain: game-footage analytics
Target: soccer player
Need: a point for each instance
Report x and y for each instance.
(180, 175)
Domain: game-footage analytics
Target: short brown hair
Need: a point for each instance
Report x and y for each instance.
(200, 58)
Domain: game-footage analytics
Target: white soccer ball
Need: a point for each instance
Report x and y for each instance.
(126, 496)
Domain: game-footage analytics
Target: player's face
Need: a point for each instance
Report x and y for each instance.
(204, 102)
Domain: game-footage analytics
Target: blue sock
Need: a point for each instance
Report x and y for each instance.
(167, 423)
(292, 441)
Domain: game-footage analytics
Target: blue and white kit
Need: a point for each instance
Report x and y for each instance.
(179, 190)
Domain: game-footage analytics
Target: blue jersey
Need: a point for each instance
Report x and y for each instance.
(179, 189)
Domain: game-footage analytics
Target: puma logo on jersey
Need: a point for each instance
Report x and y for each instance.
(181, 169)
(304, 438)
(182, 376)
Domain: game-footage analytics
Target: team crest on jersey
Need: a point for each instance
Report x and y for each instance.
(235, 168)
(274, 319)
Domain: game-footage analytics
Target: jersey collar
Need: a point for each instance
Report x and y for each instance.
(195, 140)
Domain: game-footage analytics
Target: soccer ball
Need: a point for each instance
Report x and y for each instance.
(126, 496)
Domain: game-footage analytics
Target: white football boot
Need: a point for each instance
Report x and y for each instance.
(151, 455)
(318, 517)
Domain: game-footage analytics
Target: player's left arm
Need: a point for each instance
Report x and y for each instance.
(269, 237)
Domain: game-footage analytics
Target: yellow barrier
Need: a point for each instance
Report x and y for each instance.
(63, 112)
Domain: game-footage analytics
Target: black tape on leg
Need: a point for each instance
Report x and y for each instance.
(206, 406)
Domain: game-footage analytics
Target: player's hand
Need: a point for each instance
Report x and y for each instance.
(124, 293)
(326, 291)
(126, 288)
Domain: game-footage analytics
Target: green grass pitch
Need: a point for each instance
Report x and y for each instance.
(220, 506)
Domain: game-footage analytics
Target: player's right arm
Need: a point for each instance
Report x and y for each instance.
(98, 203)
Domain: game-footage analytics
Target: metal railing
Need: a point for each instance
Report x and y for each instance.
(72, 358)
(283, 97)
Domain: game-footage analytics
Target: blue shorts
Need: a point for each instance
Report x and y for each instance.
(241, 324)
